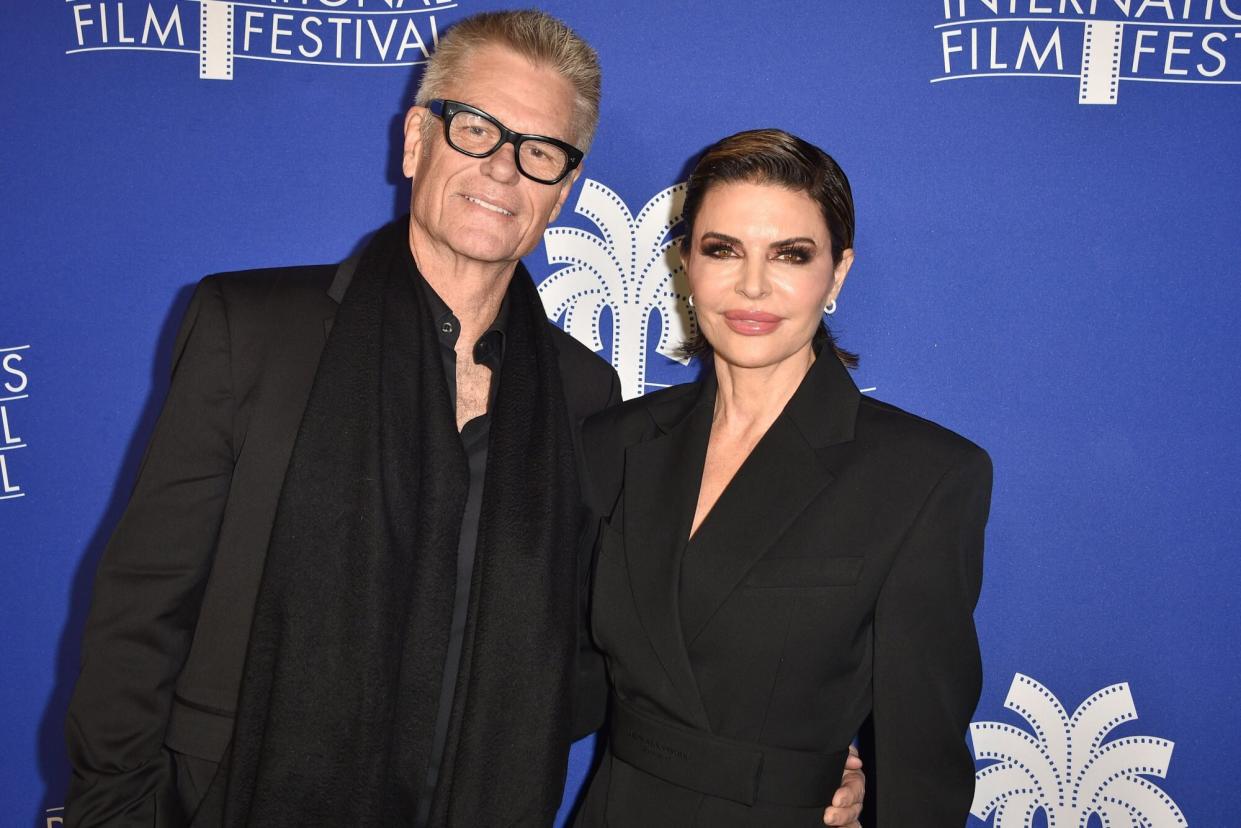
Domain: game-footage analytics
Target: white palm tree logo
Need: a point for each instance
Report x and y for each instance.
(1066, 769)
(633, 267)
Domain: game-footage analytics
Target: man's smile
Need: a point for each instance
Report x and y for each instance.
(487, 205)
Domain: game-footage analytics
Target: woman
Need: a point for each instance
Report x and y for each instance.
(781, 559)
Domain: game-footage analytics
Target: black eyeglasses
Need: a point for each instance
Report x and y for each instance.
(472, 132)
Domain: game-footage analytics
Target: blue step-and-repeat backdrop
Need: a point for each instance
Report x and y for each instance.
(1048, 261)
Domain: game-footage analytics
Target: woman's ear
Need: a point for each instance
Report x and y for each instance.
(840, 273)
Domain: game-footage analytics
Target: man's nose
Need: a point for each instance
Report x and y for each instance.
(502, 164)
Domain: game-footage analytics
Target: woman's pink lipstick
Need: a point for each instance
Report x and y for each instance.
(751, 323)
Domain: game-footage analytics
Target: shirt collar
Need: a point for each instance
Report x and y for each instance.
(489, 349)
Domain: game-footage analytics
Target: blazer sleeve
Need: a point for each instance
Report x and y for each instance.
(927, 668)
(148, 589)
(590, 697)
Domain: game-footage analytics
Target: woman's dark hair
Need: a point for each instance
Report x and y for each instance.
(773, 156)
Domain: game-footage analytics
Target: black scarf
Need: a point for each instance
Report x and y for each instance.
(338, 701)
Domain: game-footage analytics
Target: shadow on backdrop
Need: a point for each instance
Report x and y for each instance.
(53, 756)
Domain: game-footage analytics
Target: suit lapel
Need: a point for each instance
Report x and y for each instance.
(661, 488)
(783, 476)
(340, 283)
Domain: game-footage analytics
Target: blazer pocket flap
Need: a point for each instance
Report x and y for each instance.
(792, 573)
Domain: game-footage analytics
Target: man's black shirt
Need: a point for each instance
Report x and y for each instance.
(489, 351)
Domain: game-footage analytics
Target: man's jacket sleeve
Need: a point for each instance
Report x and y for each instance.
(149, 586)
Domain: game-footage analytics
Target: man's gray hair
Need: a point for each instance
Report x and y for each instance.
(534, 35)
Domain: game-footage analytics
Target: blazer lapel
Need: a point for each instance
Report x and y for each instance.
(661, 488)
(340, 283)
(783, 476)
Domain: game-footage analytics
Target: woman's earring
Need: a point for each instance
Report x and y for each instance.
(689, 300)
(831, 308)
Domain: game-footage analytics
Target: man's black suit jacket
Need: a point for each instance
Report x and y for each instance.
(165, 641)
(833, 582)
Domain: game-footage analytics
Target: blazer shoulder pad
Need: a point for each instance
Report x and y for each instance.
(606, 436)
(631, 421)
(915, 437)
(263, 308)
(590, 381)
(309, 281)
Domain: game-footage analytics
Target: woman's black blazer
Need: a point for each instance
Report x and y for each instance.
(831, 586)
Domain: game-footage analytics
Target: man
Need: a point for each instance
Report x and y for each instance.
(405, 489)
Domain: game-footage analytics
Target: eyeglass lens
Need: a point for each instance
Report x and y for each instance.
(477, 135)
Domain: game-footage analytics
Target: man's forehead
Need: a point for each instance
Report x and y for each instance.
(525, 96)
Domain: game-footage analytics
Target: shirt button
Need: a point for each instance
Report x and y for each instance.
(446, 327)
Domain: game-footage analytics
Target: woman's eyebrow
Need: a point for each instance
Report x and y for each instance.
(724, 237)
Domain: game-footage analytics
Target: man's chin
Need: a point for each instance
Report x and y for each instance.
(484, 242)
(479, 248)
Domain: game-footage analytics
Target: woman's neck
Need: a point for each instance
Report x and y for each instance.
(750, 399)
